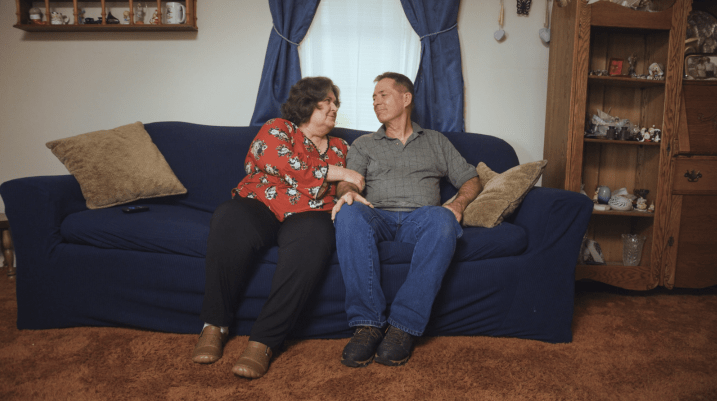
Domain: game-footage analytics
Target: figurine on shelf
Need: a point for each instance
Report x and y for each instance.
(81, 16)
(651, 209)
(636, 134)
(632, 60)
(656, 71)
(644, 135)
(155, 18)
(36, 16)
(655, 134)
(59, 18)
(111, 19)
(139, 12)
(125, 17)
(642, 204)
(641, 193)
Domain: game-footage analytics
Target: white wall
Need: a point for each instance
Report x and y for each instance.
(55, 85)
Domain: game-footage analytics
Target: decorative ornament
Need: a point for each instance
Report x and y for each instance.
(500, 33)
(621, 203)
(524, 7)
(544, 32)
(139, 12)
(111, 19)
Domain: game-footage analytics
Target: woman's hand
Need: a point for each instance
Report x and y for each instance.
(354, 178)
(337, 173)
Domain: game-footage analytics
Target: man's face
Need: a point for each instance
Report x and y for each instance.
(389, 100)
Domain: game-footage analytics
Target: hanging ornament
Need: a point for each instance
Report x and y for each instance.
(500, 33)
(524, 7)
(544, 32)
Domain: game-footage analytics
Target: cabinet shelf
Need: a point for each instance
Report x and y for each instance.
(699, 82)
(638, 278)
(625, 81)
(632, 213)
(612, 15)
(619, 142)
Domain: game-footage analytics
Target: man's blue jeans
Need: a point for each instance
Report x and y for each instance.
(359, 228)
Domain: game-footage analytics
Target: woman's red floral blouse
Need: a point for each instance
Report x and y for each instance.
(287, 173)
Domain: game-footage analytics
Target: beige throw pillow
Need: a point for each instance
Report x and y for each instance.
(117, 166)
(501, 194)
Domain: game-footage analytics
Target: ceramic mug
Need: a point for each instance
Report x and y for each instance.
(175, 13)
(59, 19)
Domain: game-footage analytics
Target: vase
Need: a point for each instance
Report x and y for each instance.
(632, 249)
(603, 194)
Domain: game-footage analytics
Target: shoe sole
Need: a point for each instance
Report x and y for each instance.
(356, 364)
(388, 362)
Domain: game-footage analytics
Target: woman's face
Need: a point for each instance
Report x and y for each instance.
(323, 118)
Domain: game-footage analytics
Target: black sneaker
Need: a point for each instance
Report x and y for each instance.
(396, 347)
(361, 349)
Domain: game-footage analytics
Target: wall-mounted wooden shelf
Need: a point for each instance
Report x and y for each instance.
(47, 6)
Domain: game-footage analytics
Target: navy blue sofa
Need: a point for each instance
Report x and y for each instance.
(81, 267)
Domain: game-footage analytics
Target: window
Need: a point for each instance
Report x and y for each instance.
(352, 42)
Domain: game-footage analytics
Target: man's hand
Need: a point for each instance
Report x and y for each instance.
(348, 198)
(466, 194)
(457, 210)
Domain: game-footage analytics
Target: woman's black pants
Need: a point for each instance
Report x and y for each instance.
(240, 229)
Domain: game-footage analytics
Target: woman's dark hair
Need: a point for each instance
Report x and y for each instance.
(304, 97)
(399, 80)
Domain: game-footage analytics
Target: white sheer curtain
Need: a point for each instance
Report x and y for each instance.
(352, 42)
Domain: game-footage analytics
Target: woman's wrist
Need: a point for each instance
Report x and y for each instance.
(336, 173)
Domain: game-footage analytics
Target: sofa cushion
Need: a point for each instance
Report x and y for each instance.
(168, 229)
(477, 243)
(117, 166)
(177, 229)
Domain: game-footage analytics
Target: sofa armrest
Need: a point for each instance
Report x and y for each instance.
(554, 219)
(35, 208)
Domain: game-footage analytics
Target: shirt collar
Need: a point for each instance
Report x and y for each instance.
(381, 133)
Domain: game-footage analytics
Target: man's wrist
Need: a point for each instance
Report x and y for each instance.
(345, 187)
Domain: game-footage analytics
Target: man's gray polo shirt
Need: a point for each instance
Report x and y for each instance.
(407, 177)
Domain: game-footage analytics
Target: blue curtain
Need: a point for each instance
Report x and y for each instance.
(282, 70)
(439, 84)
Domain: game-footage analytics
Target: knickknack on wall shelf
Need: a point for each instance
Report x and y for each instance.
(106, 16)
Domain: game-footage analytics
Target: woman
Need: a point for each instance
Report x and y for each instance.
(285, 199)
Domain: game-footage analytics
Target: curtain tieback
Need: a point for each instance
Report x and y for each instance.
(435, 33)
(282, 36)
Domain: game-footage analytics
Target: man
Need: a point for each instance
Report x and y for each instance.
(402, 164)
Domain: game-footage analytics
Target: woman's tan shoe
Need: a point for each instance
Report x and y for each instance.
(254, 361)
(210, 346)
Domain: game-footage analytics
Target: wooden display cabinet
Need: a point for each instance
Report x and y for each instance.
(47, 6)
(690, 254)
(586, 37)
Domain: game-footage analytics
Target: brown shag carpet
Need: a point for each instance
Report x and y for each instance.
(655, 345)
